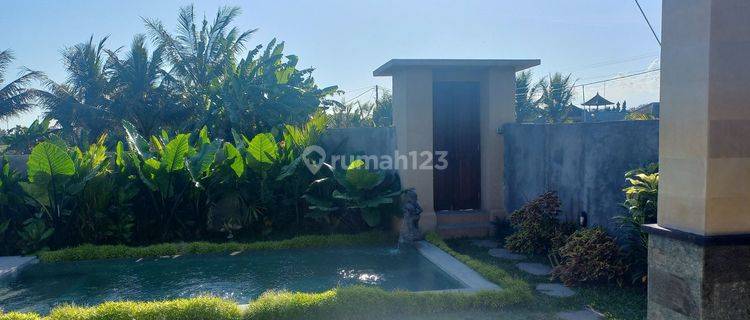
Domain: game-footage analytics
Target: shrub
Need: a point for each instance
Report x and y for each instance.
(360, 302)
(535, 225)
(560, 237)
(590, 255)
(92, 252)
(641, 198)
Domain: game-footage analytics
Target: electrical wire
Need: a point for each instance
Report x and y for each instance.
(648, 22)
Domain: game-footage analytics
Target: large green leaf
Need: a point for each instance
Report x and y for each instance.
(293, 136)
(263, 148)
(362, 179)
(136, 142)
(49, 160)
(200, 163)
(175, 152)
(235, 159)
(371, 216)
(283, 74)
(120, 155)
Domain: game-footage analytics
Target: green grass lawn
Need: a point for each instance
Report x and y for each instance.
(613, 301)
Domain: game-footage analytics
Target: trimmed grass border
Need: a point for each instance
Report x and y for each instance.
(357, 302)
(489, 271)
(98, 252)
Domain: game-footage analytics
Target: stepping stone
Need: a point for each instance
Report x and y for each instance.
(485, 243)
(506, 254)
(555, 290)
(586, 314)
(536, 269)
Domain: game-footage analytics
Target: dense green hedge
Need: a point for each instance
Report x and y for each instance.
(203, 308)
(93, 252)
(373, 303)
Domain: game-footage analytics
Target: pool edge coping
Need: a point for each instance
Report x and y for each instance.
(467, 276)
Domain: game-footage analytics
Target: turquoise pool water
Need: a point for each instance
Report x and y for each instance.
(240, 277)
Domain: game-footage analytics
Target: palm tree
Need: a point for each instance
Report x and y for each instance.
(81, 104)
(16, 97)
(527, 108)
(143, 93)
(556, 97)
(266, 91)
(199, 53)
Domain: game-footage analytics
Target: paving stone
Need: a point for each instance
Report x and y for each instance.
(485, 243)
(536, 269)
(586, 314)
(555, 290)
(506, 254)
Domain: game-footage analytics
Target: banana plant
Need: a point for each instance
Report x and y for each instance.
(357, 191)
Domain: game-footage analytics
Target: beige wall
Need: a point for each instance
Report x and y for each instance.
(412, 113)
(500, 110)
(412, 104)
(705, 116)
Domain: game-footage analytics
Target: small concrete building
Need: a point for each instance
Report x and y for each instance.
(447, 115)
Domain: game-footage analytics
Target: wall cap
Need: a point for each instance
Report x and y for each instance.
(701, 240)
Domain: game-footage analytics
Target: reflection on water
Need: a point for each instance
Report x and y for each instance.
(239, 277)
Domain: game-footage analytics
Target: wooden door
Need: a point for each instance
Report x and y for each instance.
(456, 130)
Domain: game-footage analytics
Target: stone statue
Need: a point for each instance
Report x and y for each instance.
(411, 212)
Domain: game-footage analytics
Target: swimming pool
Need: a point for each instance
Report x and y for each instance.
(239, 277)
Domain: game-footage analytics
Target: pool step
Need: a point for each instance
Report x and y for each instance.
(464, 230)
(455, 217)
(463, 224)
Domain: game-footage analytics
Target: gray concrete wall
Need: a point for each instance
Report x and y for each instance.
(359, 141)
(583, 162)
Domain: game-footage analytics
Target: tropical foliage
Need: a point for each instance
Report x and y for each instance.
(535, 225)
(183, 135)
(527, 109)
(199, 76)
(641, 199)
(15, 96)
(589, 255)
(186, 186)
(549, 100)
(363, 114)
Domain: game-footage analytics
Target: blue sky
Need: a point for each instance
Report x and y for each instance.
(345, 40)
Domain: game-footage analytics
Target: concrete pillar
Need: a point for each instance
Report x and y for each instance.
(412, 114)
(500, 109)
(699, 251)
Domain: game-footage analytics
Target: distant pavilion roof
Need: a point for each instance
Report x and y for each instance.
(597, 100)
(389, 67)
